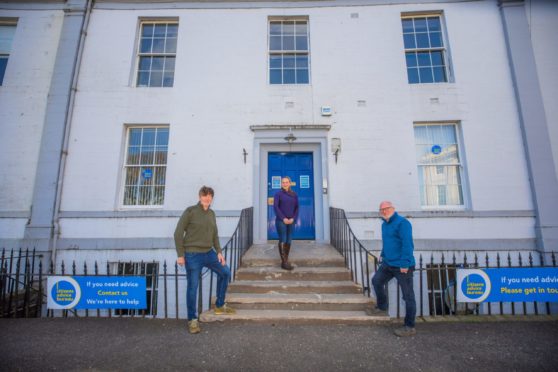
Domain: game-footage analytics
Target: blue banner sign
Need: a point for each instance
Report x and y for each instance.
(96, 292)
(508, 285)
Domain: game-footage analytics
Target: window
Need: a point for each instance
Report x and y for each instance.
(145, 166)
(7, 31)
(288, 51)
(439, 165)
(424, 49)
(157, 54)
(151, 272)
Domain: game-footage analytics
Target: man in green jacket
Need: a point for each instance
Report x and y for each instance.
(197, 245)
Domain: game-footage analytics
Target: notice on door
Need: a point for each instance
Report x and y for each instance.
(304, 182)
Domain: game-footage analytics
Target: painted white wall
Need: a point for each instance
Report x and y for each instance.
(23, 97)
(221, 89)
(542, 15)
(90, 228)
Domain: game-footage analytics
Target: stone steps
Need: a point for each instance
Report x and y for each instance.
(299, 301)
(299, 273)
(293, 286)
(318, 290)
(296, 317)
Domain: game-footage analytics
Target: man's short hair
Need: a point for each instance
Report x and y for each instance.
(206, 190)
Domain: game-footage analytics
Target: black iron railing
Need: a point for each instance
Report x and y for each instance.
(359, 260)
(21, 290)
(22, 281)
(435, 289)
(437, 294)
(233, 251)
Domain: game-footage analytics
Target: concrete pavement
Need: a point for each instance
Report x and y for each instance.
(164, 345)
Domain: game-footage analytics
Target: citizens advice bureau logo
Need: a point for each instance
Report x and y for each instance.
(473, 285)
(64, 292)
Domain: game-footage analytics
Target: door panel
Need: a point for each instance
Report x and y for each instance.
(299, 167)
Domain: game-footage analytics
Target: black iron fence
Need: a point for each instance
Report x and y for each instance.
(23, 282)
(435, 278)
(359, 260)
(20, 284)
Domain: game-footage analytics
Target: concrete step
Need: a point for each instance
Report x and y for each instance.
(299, 273)
(296, 262)
(293, 286)
(299, 301)
(303, 253)
(294, 316)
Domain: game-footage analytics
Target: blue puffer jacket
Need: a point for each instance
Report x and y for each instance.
(397, 237)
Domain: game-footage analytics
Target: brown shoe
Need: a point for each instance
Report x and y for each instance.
(405, 331)
(194, 326)
(224, 310)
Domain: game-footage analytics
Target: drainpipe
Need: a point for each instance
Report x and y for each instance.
(67, 127)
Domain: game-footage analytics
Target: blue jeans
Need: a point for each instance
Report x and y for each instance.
(285, 231)
(384, 274)
(195, 262)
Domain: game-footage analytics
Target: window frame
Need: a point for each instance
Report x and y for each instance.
(461, 166)
(294, 52)
(123, 167)
(10, 22)
(139, 54)
(445, 49)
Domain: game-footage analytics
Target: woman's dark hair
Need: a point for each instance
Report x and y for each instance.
(206, 190)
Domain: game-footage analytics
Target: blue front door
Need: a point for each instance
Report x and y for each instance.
(299, 167)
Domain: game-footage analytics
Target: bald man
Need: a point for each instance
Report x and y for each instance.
(397, 261)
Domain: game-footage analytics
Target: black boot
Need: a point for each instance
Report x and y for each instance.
(285, 257)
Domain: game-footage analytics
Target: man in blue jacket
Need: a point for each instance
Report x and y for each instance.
(397, 261)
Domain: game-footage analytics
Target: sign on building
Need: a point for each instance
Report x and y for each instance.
(96, 292)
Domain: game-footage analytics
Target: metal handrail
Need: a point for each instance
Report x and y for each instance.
(358, 259)
(233, 251)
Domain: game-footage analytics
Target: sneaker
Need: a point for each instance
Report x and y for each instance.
(375, 311)
(194, 326)
(405, 331)
(224, 310)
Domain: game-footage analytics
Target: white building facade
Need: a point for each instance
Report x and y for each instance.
(114, 113)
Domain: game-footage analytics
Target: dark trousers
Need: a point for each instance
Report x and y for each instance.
(384, 274)
(284, 231)
(195, 262)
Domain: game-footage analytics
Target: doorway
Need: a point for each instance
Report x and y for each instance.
(298, 166)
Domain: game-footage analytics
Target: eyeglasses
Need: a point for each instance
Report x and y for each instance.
(385, 209)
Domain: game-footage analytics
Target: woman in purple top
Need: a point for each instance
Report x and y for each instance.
(285, 204)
